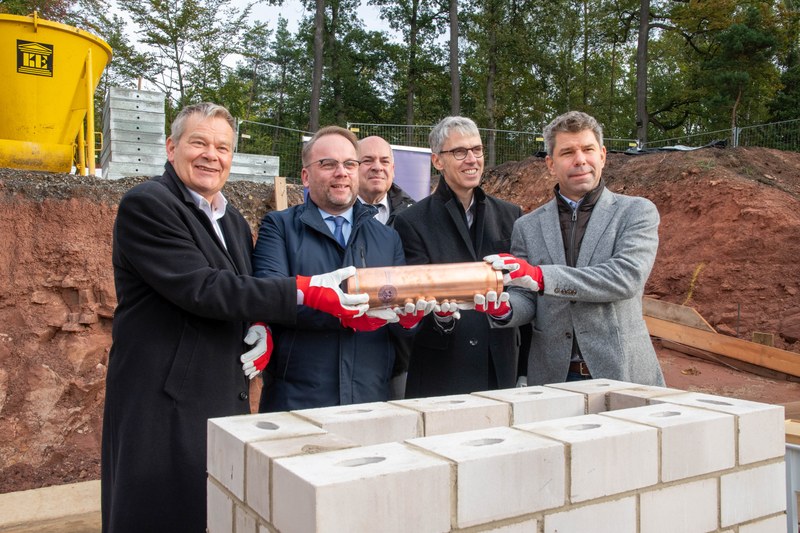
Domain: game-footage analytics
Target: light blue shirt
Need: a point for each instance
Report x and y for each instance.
(214, 211)
(347, 227)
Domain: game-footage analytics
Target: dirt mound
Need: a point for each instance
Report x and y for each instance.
(729, 247)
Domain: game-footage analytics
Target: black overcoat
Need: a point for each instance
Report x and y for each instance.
(184, 302)
(434, 230)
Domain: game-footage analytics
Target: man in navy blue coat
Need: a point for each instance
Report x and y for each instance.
(320, 361)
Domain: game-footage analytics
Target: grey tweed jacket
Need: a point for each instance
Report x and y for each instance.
(600, 300)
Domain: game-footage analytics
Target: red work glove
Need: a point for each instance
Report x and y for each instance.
(411, 314)
(493, 304)
(517, 272)
(370, 321)
(254, 361)
(322, 292)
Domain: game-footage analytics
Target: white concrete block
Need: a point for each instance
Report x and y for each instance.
(761, 429)
(776, 524)
(228, 436)
(460, 412)
(501, 472)
(367, 423)
(688, 508)
(595, 390)
(386, 487)
(220, 509)
(693, 441)
(638, 396)
(533, 404)
(753, 493)
(617, 516)
(260, 455)
(607, 456)
(245, 522)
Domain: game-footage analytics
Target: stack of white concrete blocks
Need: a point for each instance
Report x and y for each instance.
(133, 134)
(598, 455)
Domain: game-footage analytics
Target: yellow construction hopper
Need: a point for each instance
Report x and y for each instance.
(49, 72)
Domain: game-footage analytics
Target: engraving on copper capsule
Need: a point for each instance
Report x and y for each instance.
(387, 293)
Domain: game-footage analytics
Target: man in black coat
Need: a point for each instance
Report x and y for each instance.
(182, 273)
(458, 223)
(376, 187)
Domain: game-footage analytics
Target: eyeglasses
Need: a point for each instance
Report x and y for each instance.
(329, 165)
(461, 153)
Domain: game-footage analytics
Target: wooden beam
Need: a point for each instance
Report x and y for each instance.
(281, 198)
(675, 313)
(731, 363)
(749, 352)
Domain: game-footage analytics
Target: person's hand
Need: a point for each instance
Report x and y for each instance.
(371, 320)
(517, 272)
(259, 336)
(446, 311)
(411, 314)
(322, 292)
(493, 304)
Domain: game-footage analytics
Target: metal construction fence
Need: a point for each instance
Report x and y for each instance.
(502, 146)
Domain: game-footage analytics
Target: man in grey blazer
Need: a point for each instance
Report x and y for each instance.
(578, 268)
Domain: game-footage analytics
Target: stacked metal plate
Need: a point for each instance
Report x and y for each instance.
(253, 167)
(133, 134)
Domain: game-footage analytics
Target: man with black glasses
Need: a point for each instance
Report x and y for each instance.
(458, 223)
(321, 361)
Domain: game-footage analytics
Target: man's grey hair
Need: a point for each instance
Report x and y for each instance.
(571, 122)
(205, 110)
(448, 125)
(322, 132)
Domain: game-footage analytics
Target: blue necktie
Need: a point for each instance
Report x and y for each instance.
(337, 232)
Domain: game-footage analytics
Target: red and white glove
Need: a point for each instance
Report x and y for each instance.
(254, 361)
(322, 292)
(517, 272)
(371, 320)
(446, 311)
(493, 304)
(411, 314)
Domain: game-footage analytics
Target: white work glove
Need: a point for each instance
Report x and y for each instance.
(493, 304)
(254, 361)
(371, 320)
(322, 292)
(411, 314)
(517, 272)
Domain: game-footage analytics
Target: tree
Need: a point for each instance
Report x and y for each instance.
(642, 119)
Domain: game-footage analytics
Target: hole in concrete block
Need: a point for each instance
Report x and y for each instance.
(714, 402)
(354, 412)
(583, 427)
(529, 393)
(664, 414)
(361, 461)
(483, 442)
(451, 402)
(271, 426)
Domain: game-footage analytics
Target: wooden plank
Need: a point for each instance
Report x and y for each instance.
(674, 313)
(792, 431)
(734, 348)
(281, 198)
(734, 364)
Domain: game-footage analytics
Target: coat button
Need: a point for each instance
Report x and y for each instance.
(243, 396)
(568, 335)
(473, 342)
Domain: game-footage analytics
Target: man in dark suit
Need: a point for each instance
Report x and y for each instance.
(376, 187)
(458, 223)
(182, 273)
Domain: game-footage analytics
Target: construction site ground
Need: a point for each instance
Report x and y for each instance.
(729, 248)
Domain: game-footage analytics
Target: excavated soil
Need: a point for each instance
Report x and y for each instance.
(729, 247)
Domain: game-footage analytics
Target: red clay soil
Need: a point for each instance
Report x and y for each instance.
(729, 247)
